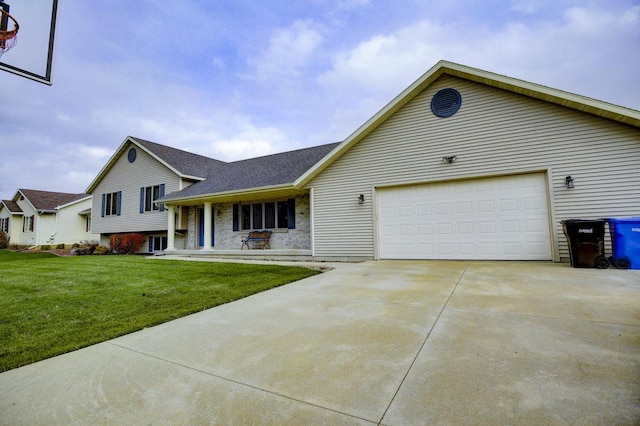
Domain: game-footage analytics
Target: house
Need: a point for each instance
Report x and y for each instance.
(463, 164)
(35, 218)
(127, 191)
(139, 173)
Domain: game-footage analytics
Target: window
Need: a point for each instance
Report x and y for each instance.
(148, 197)
(111, 204)
(4, 225)
(157, 243)
(87, 225)
(27, 223)
(270, 215)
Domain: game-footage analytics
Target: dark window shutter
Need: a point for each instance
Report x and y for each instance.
(161, 194)
(119, 203)
(142, 199)
(150, 244)
(291, 214)
(104, 202)
(236, 218)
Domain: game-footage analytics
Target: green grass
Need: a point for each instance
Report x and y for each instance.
(50, 305)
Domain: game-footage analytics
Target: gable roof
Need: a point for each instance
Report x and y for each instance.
(183, 163)
(12, 206)
(48, 201)
(532, 90)
(267, 172)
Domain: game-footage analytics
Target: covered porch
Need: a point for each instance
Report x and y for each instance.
(216, 226)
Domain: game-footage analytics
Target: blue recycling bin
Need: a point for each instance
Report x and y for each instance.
(625, 239)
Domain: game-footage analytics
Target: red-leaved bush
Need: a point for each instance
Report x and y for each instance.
(126, 243)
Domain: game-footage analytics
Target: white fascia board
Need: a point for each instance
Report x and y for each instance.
(88, 197)
(265, 190)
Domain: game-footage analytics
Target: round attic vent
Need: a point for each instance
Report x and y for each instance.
(131, 156)
(446, 102)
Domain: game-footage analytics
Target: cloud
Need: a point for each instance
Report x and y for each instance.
(252, 142)
(351, 4)
(289, 52)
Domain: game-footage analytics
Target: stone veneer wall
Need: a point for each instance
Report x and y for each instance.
(192, 229)
(227, 239)
(299, 238)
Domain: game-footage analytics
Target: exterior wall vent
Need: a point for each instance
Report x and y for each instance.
(446, 102)
(131, 156)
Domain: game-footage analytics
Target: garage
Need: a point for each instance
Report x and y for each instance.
(497, 218)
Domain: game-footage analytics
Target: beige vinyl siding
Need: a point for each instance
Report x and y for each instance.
(15, 227)
(129, 178)
(72, 226)
(45, 227)
(4, 214)
(494, 133)
(27, 237)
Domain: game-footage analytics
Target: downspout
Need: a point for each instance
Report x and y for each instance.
(37, 225)
(55, 227)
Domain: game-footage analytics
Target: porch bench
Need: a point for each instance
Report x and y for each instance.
(257, 238)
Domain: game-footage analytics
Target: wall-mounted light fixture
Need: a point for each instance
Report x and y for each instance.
(568, 182)
(361, 198)
(449, 159)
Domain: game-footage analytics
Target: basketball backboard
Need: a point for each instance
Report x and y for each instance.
(31, 56)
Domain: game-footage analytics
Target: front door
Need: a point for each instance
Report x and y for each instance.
(201, 227)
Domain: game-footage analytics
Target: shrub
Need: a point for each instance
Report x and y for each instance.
(45, 247)
(101, 250)
(126, 243)
(75, 245)
(60, 246)
(90, 245)
(4, 240)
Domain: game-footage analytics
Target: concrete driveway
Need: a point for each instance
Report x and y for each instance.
(388, 342)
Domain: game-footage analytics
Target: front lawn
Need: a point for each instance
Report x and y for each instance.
(50, 305)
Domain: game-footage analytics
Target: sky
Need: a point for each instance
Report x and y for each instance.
(235, 79)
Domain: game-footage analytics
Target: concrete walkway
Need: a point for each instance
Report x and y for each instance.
(388, 342)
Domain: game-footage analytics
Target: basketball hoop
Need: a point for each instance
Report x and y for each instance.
(8, 37)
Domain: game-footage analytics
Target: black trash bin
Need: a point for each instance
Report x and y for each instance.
(586, 242)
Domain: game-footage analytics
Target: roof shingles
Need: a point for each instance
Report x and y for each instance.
(12, 206)
(184, 162)
(260, 172)
(46, 200)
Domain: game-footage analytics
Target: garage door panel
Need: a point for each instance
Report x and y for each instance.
(509, 205)
(487, 228)
(465, 228)
(423, 210)
(464, 207)
(444, 208)
(405, 231)
(425, 230)
(486, 206)
(494, 218)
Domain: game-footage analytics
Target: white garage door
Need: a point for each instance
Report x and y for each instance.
(503, 218)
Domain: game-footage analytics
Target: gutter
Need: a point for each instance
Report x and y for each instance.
(231, 193)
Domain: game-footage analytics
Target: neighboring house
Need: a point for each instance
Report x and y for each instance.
(463, 164)
(34, 218)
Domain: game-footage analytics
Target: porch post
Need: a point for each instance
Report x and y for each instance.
(207, 226)
(171, 229)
